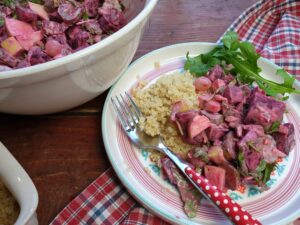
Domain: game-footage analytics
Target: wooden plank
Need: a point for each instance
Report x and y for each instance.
(61, 154)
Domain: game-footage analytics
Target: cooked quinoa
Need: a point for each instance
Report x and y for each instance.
(155, 104)
(9, 208)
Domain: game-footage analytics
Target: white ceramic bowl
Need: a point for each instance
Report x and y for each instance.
(77, 78)
(20, 185)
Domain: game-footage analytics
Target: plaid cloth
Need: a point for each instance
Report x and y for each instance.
(273, 27)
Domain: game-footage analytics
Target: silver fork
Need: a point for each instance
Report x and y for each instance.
(129, 116)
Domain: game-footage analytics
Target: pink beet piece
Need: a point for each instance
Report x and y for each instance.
(216, 155)
(196, 125)
(212, 106)
(39, 10)
(215, 175)
(53, 48)
(12, 46)
(17, 27)
(27, 42)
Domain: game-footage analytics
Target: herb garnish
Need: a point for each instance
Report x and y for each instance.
(274, 127)
(243, 57)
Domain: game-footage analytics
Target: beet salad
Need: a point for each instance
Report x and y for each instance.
(37, 31)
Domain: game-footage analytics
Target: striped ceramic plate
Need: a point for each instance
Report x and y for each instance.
(142, 178)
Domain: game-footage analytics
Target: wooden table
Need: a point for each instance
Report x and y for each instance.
(64, 152)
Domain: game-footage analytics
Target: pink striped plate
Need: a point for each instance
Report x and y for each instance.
(279, 205)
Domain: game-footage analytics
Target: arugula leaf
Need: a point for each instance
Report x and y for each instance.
(37, 1)
(196, 66)
(288, 80)
(85, 16)
(262, 166)
(230, 39)
(243, 57)
(9, 3)
(268, 171)
(274, 127)
(1, 21)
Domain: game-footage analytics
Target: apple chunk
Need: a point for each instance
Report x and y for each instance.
(30, 40)
(39, 10)
(17, 27)
(12, 46)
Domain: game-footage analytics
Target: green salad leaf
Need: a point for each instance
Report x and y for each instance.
(37, 1)
(243, 57)
(1, 21)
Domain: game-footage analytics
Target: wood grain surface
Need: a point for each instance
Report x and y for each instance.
(64, 152)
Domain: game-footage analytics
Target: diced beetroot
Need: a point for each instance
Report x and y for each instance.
(25, 14)
(7, 59)
(54, 16)
(283, 129)
(69, 13)
(269, 150)
(17, 27)
(12, 46)
(229, 146)
(232, 177)
(256, 128)
(201, 138)
(196, 125)
(252, 157)
(203, 98)
(264, 110)
(182, 119)
(36, 56)
(216, 132)
(53, 48)
(91, 7)
(215, 175)
(285, 141)
(230, 119)
(196, 161)
(215, 118)
(216, 73)
(218, 84)
(52, 28)
(239, 130)
(111, 19)
(246, 90)
(216, 155)
(220, 98)
(80, 40)
(50, 5)
(93, 27)
(179, 106)
(212, 106)
(228, 78)
(234, 94)
(39, 10)
(22, 64)
(202, 84)
(167, 166)
(28, 41)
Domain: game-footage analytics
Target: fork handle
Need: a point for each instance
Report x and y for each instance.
(229, 207)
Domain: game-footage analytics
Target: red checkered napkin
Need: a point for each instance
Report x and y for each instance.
(105, 201)
(273, 26)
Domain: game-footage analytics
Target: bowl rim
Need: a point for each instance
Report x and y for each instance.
(20, 177)
(149, 5)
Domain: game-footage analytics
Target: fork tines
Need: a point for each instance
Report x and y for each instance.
(127, 111)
